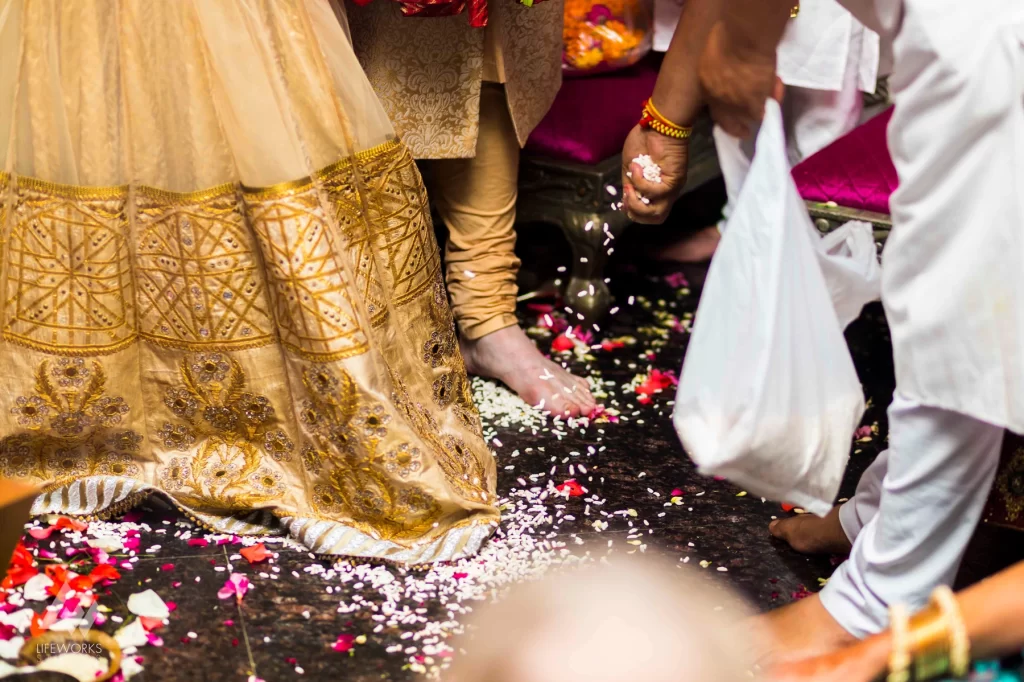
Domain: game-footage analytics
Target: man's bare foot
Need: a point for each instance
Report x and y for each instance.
(810, 534)
(510, 356)
(800, 630)
(698, 247)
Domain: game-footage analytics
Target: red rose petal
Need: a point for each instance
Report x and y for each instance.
(562, 343)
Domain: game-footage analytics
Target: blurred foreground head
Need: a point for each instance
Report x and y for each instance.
(633, 621)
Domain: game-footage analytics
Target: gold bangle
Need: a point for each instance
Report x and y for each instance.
(929, 643)
(795, 12)
(959, 642)
(899, 657)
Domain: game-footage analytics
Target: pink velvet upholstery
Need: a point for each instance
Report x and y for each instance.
(855, 171)
(591, 116)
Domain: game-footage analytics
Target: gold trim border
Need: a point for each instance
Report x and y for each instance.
(85, 192)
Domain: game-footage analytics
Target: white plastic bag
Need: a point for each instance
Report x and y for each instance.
(768, 396)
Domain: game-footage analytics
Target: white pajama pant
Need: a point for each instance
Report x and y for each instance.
(914, 512)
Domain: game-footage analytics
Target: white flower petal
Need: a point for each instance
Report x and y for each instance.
(19, 620)
(130, 667)
(131, 635)
(10, 649)
(69, 624)
(35, 588)
(108, 544)
(148, 604)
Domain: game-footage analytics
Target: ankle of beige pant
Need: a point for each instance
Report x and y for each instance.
(478, 330)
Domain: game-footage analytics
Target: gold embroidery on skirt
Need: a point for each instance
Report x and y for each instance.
(198, 279)
(362, 245)
(74, 427)
(356, 483)
(397, 206)
(462, 467)
(439, 351)
(308, 282)
(71, 288)
(254, 362)
(68, 263)
(236, 429)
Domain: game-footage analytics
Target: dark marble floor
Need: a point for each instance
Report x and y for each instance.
(284, 628)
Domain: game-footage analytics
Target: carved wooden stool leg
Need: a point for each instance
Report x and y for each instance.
(591, 236)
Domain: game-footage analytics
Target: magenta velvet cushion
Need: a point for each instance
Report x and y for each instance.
(591, 116)
(855, 171)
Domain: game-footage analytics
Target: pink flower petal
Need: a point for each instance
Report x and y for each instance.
(42, 533)
(344, 643)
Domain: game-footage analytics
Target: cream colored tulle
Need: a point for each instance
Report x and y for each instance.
(180, 94)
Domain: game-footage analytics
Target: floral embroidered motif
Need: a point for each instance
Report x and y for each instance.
(176, 474)
(355, 479)
(235, 431)
(278, 445)
(373, 421)
(444, 390)
(312, 459)
(69, 418)
(438, 348)
(403, 461)
(461, 466)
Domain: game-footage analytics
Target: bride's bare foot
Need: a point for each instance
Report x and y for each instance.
(698, 247)
(510, 356)
(810, 534)
(799, 630)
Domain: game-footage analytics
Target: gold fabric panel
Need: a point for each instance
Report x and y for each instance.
(198, 272)
(68, 270)
(307, 281)
(283, 352)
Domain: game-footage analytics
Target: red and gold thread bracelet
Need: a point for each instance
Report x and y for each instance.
(652, 118)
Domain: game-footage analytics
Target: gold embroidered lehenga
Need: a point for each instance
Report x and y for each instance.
(220, 282)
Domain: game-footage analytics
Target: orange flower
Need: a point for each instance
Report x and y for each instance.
(42, 622)
(256, 553)
(22, 568)
(104, 572)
